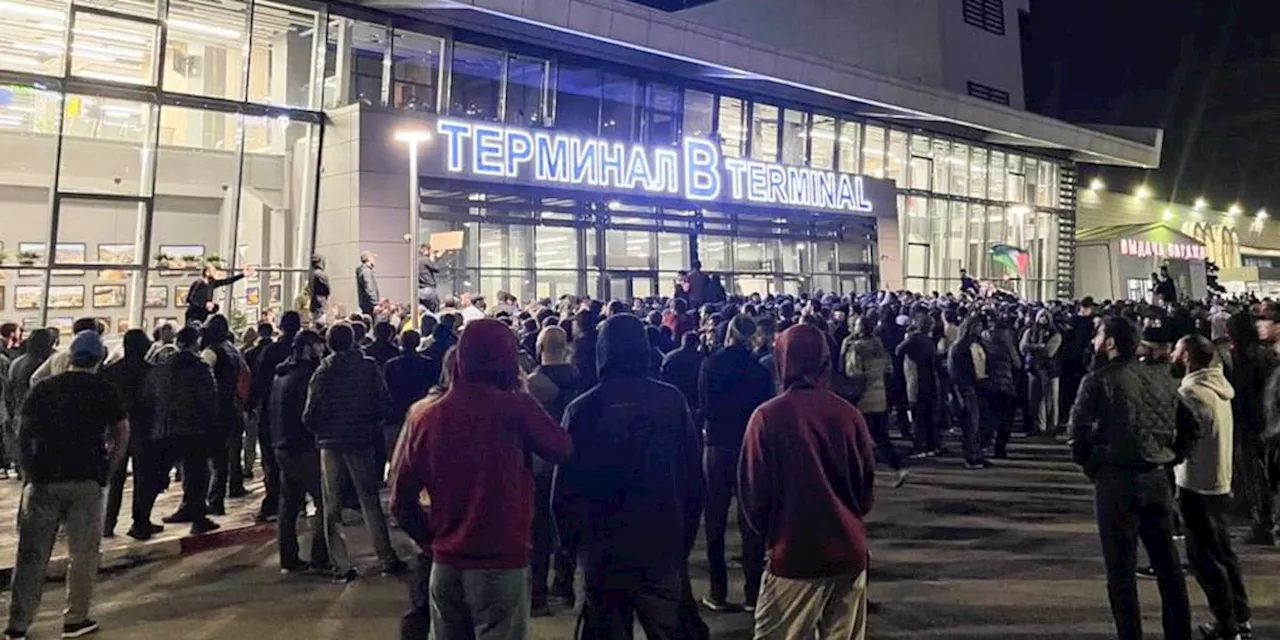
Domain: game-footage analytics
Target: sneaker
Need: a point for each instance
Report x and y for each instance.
(217, 509)
(294, 568)
(1148, 572)
(720, 606)
(141, 535)
(15, 635)
(1246, 630)
(749, 607)
(920, 455)
(200, 527)
(901, 478)
(177, 517)
(975, 466)
(346, 577)
(155, 528)
(395, 567)
(1211, 631)
(79, 629)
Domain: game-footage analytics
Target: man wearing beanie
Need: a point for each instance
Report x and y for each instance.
(731, 385)
(73, 432)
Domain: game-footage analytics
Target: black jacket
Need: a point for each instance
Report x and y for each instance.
(731, 384)
(19, 384)
(347, 402)
(1128, 414)
(226, 371)
(1076, 349)
(318, 287)
(129, 378)
(555, 386)
(584, 358)
(409, 377)
(1003, 364)
(183, 396)
(288, 399)
(631, 493)
(201, 292)
(921, 351)
(1250, 373)
(381, 352)
(680, 369)
(366, 288)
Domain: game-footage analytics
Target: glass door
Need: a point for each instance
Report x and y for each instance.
(629, 285)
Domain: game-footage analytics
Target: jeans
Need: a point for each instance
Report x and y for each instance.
(76, 507)
(661, 600)
(1133, 505)
(299, 477)
(479, 604)
(833, 607)
(1213, 562)
(971, 427)
(1043, 391)
(720, 468)
(357, 464)
(416, 623)
(878, 424)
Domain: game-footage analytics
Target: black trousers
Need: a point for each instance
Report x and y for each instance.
(720, 468)
(878, 424)
(999, 420)
(192, 453)
(1138, 505)
(299, 477)
(1213, 562)
(1260, 475)
(225, 454)
(925, 430)
(661, 601)
(416, 623)
(971, 426)
(543, 539)
(270, 470)
(115, 489)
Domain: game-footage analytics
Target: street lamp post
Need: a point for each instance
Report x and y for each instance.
(414, 138)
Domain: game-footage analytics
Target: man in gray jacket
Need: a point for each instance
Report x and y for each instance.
(1204, 490)
(367, 283)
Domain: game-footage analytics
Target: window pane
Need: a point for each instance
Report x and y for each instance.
(354, 64)
(764, 132)
(920, 173)
(578, 100)
(526, 91)
(618, 108)
(477, 82)
(204, 49)
(415, 71)
(794, 136)
(978, 174)
(109, 134)
(996, 177)
(33, 37)
(730, 127)
(282, 54)
(959, 170)
(1047, 185)
(697, 113)
(822, 142)
(897, 158)
(713, 252)
(27, 122)
(673, 251)
(850, 142)
(941, 166)
(110, 49)
(873, 151)
(976, 258)
(556, 248)
(277, 196)
(751, 254)
(663, 105)
(628, 249)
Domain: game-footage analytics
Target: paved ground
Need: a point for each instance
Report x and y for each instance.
(1005, 553)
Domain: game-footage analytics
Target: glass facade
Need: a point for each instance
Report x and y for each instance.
(142, 137)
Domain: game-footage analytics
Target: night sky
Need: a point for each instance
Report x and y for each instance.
(1208, 72)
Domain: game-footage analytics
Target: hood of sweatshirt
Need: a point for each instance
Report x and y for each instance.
(1209, 379)
(622, 348)
(487, 351)
(802, 356)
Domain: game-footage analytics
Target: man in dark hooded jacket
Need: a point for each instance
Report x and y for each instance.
(264, 372)
(680, 369)
(128, 376)
(39, 349)
(318, 289)
(295, 452)
(228, 436)
(631, 493)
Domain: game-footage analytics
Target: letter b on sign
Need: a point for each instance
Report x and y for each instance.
(701, 169)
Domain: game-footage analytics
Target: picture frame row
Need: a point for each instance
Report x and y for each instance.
(183, 256)
(118, 325)
(114, 296)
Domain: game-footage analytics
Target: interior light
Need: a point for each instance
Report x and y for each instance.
(26, 9)
(1097, 184)
(1234, 210)
(412, 135)
(1168, 214)
(191, 26)
(1142, 192)
(1261, 215)
(1201, 203)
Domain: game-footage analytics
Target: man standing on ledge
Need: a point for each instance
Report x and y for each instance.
(367, 283)
(428, 295)
(200, 304)
(318, 291)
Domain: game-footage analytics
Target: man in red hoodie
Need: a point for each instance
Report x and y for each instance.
(470, 452)
(805, 481)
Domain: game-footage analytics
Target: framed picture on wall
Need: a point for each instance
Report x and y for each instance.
(62, 325)
(174, 257)
(251, 315)
(29, 325)
(253, 296)
(125, 254)
(157, 297)
(122, 325)
(69, 253)
(66, 296)
(108, 326)
(30, 253)
(108, 296)
(2, 292)
(242, 255)
(26, 296)
(273, 294)
(180, 295)
(277, 275)
(156, 323)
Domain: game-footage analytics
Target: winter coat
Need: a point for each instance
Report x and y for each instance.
(183, 395)
(1207, 468)
(680, 369)
(129, 378)
(967, 365)
(409, 377)
(731, 384)
(631, 493)
(807, 472)
(366, 288)
(19, 383)
(286, 403)
(347, 402)
(868, 363)
(920, 367)
(318, 287)
(1040, 346)
(382, 352)
(1003, 366)
(554, 386)
(227, 364)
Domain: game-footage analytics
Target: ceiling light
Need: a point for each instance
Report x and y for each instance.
(1143, 192)
(1234, 210)
(1097, 184)
(1168, 214)
(1261, 215)
(26, 9)
(191, 26)
(1201, 203)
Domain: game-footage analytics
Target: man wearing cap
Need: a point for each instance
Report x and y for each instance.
(73, 432)
(367, 283)
(731, 384)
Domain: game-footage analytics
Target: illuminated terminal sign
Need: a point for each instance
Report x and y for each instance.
(1148, 248)
(695, 171)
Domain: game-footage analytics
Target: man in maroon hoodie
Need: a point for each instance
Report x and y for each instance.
(469, 452)
(805, 481)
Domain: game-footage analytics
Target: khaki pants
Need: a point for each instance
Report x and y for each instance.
(812, 609)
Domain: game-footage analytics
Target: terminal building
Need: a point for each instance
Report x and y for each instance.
(561, 146)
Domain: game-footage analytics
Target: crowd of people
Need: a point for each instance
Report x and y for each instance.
(527, 444)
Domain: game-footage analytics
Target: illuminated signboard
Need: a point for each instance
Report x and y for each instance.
(1147, 248)
(695, 171)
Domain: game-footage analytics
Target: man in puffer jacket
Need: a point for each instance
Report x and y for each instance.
(1204, 490)
(346, 403)
(296, 455)
(228, 435)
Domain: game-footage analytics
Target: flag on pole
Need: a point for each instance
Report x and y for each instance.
(1014, 259)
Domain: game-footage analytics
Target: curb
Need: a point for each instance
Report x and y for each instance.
(150, 551)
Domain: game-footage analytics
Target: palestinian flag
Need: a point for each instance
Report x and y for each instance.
(1014, 259)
